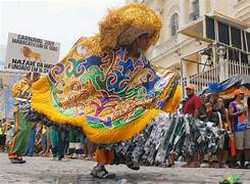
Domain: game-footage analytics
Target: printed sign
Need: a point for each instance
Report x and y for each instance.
(29, 54)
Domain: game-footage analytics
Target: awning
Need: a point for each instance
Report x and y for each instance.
(196, 29)
(237, 80)
(233, 83)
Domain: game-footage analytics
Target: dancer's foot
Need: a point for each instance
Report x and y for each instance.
(133, 166)
(100, 172)
(17, 161)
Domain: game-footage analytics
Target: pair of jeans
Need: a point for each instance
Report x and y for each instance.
(32, 141)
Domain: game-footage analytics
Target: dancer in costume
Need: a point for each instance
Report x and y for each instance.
(19, 145)
(107, 86)
(21, 138)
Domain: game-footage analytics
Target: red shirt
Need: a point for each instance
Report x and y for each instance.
(193, 102)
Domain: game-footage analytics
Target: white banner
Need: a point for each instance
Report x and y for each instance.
(29, 54)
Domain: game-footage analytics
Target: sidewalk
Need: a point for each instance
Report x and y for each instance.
(43, 170)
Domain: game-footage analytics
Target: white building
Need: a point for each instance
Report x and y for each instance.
(193, 33)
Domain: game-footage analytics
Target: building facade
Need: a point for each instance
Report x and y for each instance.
(203, 39)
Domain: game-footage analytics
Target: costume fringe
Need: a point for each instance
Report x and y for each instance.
(123, 133)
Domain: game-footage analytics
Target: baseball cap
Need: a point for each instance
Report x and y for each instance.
(238, 92)
(190, 86)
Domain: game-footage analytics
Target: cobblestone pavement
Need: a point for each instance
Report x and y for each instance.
(44, 170)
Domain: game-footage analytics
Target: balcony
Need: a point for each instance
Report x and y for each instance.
(217, 74)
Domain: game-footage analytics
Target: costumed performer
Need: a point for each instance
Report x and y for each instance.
(107, 86)
(20, 141)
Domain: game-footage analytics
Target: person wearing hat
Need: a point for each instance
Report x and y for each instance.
(194, 103)
(238, 112)
(193, 107)
(106, 85)
(135, 39)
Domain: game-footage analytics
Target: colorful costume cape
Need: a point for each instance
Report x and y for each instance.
(112, 97)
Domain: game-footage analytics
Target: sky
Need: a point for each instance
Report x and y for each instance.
(63, 21)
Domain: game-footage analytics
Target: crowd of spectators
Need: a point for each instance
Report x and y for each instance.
(53, 141)
(230, 115)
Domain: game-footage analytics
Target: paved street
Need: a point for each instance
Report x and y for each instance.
(45, 170)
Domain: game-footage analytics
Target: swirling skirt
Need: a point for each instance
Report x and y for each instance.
(166, 136)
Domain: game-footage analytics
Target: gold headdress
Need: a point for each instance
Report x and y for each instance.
(121, 27)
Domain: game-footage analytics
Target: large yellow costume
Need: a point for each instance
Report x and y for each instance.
(100, 88)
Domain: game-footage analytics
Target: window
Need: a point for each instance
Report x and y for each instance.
(223, 33)
(210, 31)
(174, 24)
(195, 10)
(244, 40)
(236, 37)
(248, 40)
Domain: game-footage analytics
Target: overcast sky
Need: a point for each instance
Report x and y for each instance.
(61, 21)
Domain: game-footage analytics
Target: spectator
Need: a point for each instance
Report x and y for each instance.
(43, 141)
(193, 106)
(238, 113)
(9, 134)
(58, 142)
(32, 140)
(218, 114)
(194, 103)
(75, 143)
(3, 130)
(48, 143)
